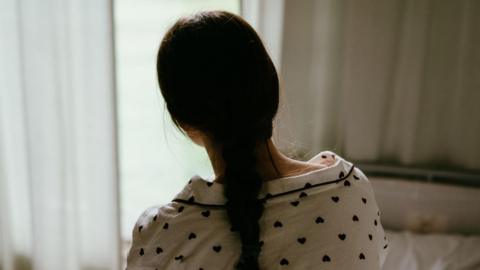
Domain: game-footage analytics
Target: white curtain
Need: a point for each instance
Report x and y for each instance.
(58, 171)
(393, 82)
(266, 16)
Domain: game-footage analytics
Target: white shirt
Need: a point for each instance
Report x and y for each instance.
(323, 219)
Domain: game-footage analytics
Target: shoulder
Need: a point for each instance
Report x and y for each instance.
(350, 171)
(357, 196)
(152, 216)
(330, 158)
(326, 158)
(145, 230)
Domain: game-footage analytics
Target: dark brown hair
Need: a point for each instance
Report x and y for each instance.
(216, 76)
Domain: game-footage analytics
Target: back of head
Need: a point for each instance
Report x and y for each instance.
(215, 75)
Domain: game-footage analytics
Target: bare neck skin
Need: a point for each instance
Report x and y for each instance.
(285, 165)
(268, 171)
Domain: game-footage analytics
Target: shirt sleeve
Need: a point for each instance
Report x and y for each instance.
(382, 243)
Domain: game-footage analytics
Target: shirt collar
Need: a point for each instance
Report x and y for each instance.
(202, 191)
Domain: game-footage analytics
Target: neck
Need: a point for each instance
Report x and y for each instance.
(280, 167)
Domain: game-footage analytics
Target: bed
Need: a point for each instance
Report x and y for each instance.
(429, 226)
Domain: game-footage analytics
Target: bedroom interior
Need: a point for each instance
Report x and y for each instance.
(392, 86)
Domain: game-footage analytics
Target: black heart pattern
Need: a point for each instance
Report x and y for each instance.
(319, 220)
(206, 213)
(307, 185)
(341, 175)
(301, 240)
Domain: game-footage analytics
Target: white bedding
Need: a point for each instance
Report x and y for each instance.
(409, 251)
(427, 207)
(445, 217)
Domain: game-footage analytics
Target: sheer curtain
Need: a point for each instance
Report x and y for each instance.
(58, 168)
(385, 81)
(266, 16)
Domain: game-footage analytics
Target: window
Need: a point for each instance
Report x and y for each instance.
(155, 159)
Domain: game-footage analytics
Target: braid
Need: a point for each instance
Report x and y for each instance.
(242, 186)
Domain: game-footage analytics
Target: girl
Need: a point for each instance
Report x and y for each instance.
(262, 209)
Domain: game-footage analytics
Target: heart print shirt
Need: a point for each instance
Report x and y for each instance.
(322, 219)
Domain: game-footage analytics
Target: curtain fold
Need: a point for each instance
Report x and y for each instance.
(58, 165)
(393, 82)
(266, 16)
